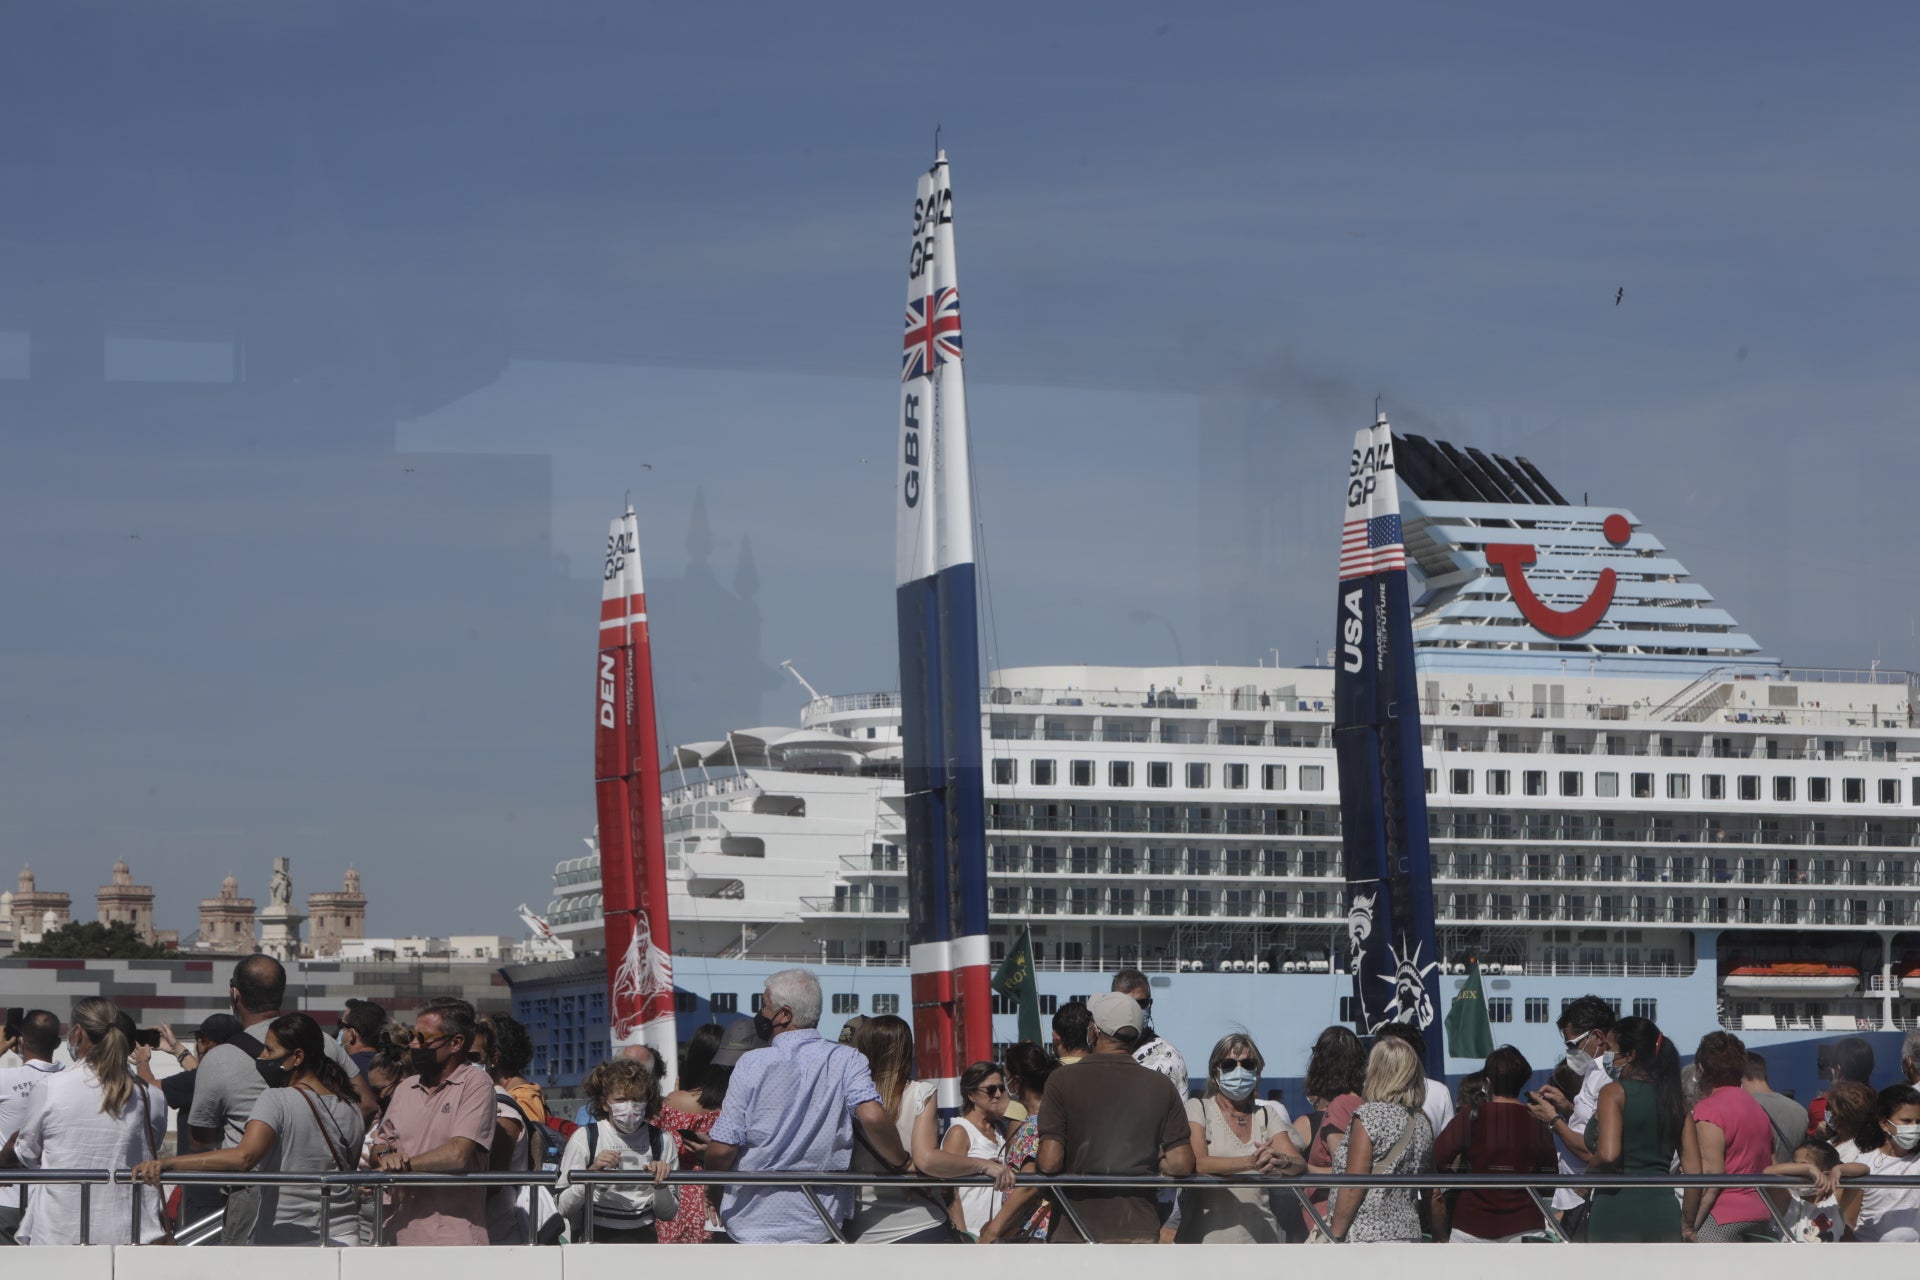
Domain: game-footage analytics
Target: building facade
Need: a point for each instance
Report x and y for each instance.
(336, 918)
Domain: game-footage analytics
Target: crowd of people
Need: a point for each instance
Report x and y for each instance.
(268, 1090)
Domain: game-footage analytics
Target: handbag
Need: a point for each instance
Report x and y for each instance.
(1383, 1165)
(146, 1130)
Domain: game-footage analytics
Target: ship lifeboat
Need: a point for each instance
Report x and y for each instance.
(1793, 979)
(1910, 980)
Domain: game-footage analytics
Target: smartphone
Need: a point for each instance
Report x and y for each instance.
(148, 1036)
(15, 1016)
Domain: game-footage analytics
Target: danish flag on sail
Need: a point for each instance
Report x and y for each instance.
(940, 665)
(626, 767)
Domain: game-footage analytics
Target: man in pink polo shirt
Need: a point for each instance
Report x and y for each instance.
(440, 1121)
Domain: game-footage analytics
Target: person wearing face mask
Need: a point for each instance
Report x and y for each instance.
(1890, 1147)
(307, 1121)
(1640, 1125)
(622, 1098)
(229, 1080)
(1236, 1133)
(441, 1120)
(1583, 1027)
(793, 1106)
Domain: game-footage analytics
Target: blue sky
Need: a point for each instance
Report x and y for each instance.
(331, 335)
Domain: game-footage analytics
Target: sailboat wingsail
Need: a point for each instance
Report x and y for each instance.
(633, 863)
(1376, 732)
(940, 662)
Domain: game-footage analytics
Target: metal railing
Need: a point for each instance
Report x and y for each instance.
(1536, 1186)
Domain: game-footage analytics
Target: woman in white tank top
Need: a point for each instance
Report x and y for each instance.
(980, 1132)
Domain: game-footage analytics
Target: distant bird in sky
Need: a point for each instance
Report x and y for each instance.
(409, 470)
(1619, 295)
(646, 466)
(134, 537)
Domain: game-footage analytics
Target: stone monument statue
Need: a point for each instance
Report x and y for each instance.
(280, 923)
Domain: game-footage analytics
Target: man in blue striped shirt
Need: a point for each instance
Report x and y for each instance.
(791, 1107)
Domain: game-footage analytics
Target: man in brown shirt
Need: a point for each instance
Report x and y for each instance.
(440, 1121)
(1112, 1115)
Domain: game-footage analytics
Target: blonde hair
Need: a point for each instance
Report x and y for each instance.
(621, 1076)
(99, 1017)
(887, 1042)
(1394, 1075)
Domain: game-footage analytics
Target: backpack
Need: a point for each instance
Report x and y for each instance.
(537, 1206)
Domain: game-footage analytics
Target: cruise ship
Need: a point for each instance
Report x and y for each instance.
(1625, 795)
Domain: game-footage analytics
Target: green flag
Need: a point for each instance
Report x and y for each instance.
(1015, 979)
(1469, 1033)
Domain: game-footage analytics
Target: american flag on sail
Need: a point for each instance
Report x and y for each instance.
(1371, 546)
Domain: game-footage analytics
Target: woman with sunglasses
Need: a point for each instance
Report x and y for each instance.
(980, 1132)
(1236, 1133)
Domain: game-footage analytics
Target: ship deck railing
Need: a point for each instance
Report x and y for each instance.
(1537, 1186)
(1076, 708)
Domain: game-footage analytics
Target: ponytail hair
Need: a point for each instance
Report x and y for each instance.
(107, 1058)
(1656, 1057)
(298, 1031)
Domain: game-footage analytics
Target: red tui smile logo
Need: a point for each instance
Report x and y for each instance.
(1512, 558)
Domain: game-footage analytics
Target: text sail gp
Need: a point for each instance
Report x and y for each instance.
(1376, 735)
(940, 664)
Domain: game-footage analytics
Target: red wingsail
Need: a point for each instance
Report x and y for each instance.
(633, 856)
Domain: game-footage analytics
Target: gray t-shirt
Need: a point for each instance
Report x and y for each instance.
(1789, 1123)
(291, 1215)
(229, 1081)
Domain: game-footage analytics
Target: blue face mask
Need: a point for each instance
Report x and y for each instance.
(1608, 1065)
(1238, 1083)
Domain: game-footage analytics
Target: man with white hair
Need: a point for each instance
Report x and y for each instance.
(792, 1107)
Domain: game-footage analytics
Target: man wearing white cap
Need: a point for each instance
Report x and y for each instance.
(1112, 1115)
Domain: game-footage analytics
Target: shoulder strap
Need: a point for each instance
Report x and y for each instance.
(246, 1044)
(1384, 1164)
(1778, 1132)
(319, 1123)
(526, 1125)
(593, 1138)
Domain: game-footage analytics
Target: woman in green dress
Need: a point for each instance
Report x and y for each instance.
(1638, 1128)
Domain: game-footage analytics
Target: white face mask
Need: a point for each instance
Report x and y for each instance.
(1906, 1136)
(626, 1116)
(1238, 1083)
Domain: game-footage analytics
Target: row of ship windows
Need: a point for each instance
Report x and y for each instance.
(844, 1002)
(1120, 773)
(1537, 1009)
(1463, 782)
(1322, 904)
(1165, 860)
(1679, 786)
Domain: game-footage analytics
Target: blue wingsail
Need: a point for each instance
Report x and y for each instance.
(1393, 948)
(940, 664)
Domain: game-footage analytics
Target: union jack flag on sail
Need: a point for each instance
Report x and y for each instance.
(933, 334)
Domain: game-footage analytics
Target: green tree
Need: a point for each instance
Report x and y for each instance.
(91, 940)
